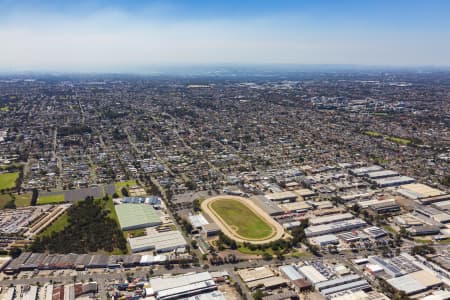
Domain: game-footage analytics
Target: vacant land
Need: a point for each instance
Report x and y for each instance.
(19, 200)
(124, 184)
(48, 199)
(241, 219)
(84, 228)
(4, 199)
(57, 226)
(23, 199)
(8, 180)
(109, 206)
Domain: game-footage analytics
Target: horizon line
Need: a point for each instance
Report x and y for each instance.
(164, 69)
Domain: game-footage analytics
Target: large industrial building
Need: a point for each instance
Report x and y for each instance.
(375, 232)
(418, 191)
(415, 282)
(305, 193)
(312, 274)
(433, 213)
(26, 262)
(365, 170)
(198, 221)
(369, 203)
(259, 273)
(380, 206)
(282, 196)
(381, 174)
(396, 266)
(330, 219)
(385, 208)
(291, 272)
(271, 208)
(334, 227)
(323, 240)
(393, 181)
(434, 199)
(424, 230)
(262, 276)
(134, 216)
(160, 242)
(298, 207)
(31, 293)
(349, 282)
(182, 286)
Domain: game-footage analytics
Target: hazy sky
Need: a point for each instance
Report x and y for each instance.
(94, 35)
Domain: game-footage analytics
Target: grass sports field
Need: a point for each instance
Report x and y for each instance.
(242, 220)
(8, 180)
(239, 217)
(48, 199)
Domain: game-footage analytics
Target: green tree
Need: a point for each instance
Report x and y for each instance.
(266, 256)
(11, 204)
(196, 205)
(15, 252)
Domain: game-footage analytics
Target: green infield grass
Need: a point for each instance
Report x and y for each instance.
(241, 219)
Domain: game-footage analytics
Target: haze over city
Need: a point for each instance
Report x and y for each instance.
(116, 36)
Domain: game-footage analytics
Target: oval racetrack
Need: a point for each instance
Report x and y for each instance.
(242, 220)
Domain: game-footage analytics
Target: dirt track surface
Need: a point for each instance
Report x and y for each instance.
(227, 230)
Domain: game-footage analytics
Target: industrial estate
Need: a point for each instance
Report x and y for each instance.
(271, 186)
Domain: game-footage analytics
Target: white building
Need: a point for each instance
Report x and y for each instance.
(160, 242)
(182, 286)
(334, 227)
(312, 274)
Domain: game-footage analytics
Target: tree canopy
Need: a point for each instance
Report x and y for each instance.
(90, 229)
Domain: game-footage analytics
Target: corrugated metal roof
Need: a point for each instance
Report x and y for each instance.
(312, 274)
(407, 284)
(360, 284)
(160, 284)
(338, 281)
(291, 273)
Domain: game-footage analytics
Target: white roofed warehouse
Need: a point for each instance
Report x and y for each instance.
(182, 286)
(160, 242)
(134, 216)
